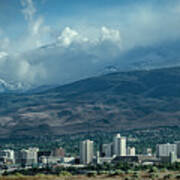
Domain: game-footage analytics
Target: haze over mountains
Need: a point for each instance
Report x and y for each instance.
(117, 101)
(49, 45)
(142, 58)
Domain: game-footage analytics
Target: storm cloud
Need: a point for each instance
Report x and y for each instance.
(48, 55)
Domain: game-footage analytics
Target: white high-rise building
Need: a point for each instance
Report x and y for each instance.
(29, 156)
(173, 157)
(119, 145)
(86, 152)
(131, 151)
(164, 150)
(7, 155)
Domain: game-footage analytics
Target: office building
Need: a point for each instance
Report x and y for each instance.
(28, 156)
(178, 149)
(7, 156)
(164, 150)
(86, 152)
(107, 150)
(119, 145)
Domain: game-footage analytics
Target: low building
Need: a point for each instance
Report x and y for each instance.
(103, 160)
(125, 159)
(149, 152)
(131, 151)
(68, 160)
(58, 152)
(136, 159)
(145, 159)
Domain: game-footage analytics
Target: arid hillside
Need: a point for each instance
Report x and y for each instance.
(112, 102)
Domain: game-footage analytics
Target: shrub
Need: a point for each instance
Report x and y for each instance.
(163, 170)
(92, 174)
(65, 173)
(136, 175)
(111, 173)
(102, 172)
(19, 175)
(153, 170)
(127, 178)
(128, 172)
(168, 176)
(152, 176)
(119, 172)
(178, 176)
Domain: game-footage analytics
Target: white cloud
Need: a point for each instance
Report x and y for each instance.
(38, 32)
(3, 54)
(36, 26)
(28, 9)
(72, 57)
(79, 52)
(67, 36)
(110, 34)
(30, 73)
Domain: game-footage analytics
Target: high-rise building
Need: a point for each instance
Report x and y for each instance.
(107, 150)
(131, 151)
(86, 152)
(178, 149)
(164, 150)
(97, 157)
(28, 156)
(119, 145)
(7, 156)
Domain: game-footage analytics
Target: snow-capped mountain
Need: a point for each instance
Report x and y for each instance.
(8, 87)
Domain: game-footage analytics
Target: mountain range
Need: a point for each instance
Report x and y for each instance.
(110, 102)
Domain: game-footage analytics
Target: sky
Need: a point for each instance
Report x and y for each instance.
(61, 41)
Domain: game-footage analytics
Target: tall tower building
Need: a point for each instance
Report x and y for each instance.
(119, 145)
(86, 152)
(28, 156)
(178, 149)
(107, 150)
(7, 155)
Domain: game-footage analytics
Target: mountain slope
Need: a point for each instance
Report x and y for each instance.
(111, 102)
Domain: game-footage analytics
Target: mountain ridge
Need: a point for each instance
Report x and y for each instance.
(112, 102)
